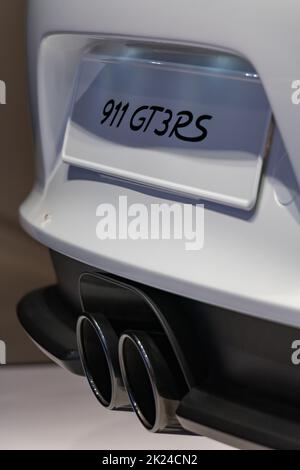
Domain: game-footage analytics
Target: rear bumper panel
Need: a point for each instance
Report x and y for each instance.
(240, 385)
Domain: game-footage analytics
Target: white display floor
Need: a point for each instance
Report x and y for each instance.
(44, 407)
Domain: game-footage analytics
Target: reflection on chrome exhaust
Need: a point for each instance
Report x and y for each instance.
(98, 349)
(149, 374)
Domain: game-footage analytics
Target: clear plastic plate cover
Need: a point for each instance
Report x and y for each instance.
(189, 121)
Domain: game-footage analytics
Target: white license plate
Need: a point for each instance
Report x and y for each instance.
(197, 125)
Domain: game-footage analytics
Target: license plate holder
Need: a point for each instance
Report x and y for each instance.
(198, 125)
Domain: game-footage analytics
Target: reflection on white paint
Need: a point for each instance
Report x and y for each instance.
(2, 353)
(2, 92)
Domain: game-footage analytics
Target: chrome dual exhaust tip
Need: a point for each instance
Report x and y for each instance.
(136, 371)
(129, 353)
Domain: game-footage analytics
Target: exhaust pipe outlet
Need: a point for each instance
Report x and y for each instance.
(98, 349)
(152, 380)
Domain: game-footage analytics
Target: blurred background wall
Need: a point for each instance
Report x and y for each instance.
(24, 265)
